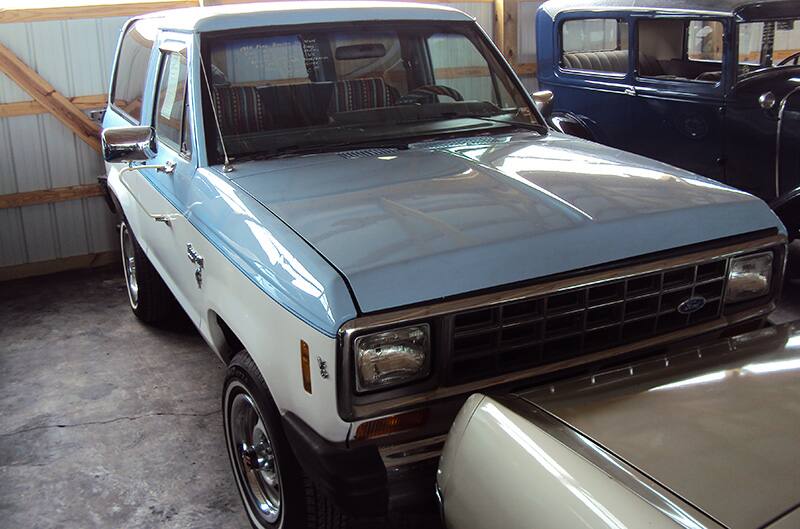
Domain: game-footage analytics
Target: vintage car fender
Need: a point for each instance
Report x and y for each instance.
(572, 124)
(520, 476)
(787, 208)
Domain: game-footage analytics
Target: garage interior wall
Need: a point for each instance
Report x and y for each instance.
(73, 49)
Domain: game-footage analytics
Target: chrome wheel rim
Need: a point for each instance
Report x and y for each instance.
(129, 264)
(254, 457)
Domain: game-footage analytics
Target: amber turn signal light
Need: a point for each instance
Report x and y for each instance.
(305, 365)
(393, 424)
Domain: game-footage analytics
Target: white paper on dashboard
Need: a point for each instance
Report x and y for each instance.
(173, 77)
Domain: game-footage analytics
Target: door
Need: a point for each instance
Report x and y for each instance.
(678, 108)
(173, 235)
(591, 78)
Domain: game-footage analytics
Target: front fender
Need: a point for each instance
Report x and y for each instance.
(505, 471)
(787, 208)
(569, 123)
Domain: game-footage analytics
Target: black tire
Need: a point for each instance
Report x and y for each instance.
(149, 297)
(301, 504)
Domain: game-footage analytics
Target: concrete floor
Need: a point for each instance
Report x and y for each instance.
(105, 422)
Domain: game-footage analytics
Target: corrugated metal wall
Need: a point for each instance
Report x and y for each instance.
(38, 152)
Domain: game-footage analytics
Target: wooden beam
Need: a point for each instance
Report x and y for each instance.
(50, 196)
(29, 108)
(47, 96)
(75, 262)
(66, 9)
(526, 69)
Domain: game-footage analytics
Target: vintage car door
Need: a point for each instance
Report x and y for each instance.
(586, 64)
(679, 81)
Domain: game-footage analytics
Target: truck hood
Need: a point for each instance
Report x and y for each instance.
(719, 426)
(443, 218)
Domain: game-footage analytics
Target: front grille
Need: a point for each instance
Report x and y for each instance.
(559, 326)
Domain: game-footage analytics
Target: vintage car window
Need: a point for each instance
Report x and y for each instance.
(130, 73)
(595, 44)
(676, 49)
(704, 40)
(170, 107)
(283, 92)
(768, 44)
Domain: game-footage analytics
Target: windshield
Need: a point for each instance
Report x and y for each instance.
(768, 44)
(316, 88)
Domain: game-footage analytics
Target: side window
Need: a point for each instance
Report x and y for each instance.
(458, 64)
(595, 44)
(131, 71)
(680, 49)
(171, 101)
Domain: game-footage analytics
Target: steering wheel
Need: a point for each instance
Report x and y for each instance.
(793, 57)
(428, 92)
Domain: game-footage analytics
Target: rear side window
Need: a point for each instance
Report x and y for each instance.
(131, 71)
(595, 44)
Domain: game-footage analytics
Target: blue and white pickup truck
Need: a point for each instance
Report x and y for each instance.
(366, 217)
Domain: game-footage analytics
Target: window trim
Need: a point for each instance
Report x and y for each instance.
(121, 112)
(559, 55)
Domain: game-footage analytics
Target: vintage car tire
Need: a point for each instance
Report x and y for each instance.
(301, 504)
(149, 297)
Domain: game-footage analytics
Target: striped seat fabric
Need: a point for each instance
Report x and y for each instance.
(239, 109)
(362, 94)
(598, 61)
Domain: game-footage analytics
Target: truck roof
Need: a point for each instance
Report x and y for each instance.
(750, 9)
(219, 18)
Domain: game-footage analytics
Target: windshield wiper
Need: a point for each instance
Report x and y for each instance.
(537, 127)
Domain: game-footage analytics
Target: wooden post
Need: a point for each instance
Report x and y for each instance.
(47, 96)
(510, 36)
(497, 28)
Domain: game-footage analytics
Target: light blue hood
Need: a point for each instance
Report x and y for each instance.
(441, 219)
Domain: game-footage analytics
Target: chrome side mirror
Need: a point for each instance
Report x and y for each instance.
(544, 102)
(129, 144)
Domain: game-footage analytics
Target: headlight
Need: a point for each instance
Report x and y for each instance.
(392, 357)
(749, 277)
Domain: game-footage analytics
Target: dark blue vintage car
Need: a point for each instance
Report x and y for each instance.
(712, 86)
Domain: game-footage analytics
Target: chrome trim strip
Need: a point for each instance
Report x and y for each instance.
(346, 332)
(670, 505)
(395, 455)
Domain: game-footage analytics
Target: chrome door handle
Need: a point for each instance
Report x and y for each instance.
(198, 260)
(193, 256)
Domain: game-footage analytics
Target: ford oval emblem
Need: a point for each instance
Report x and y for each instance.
(693, 304)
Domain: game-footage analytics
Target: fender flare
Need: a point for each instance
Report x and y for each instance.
(787, 208)
(571, 124)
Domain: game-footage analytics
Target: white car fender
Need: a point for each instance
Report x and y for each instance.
(499, 469)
